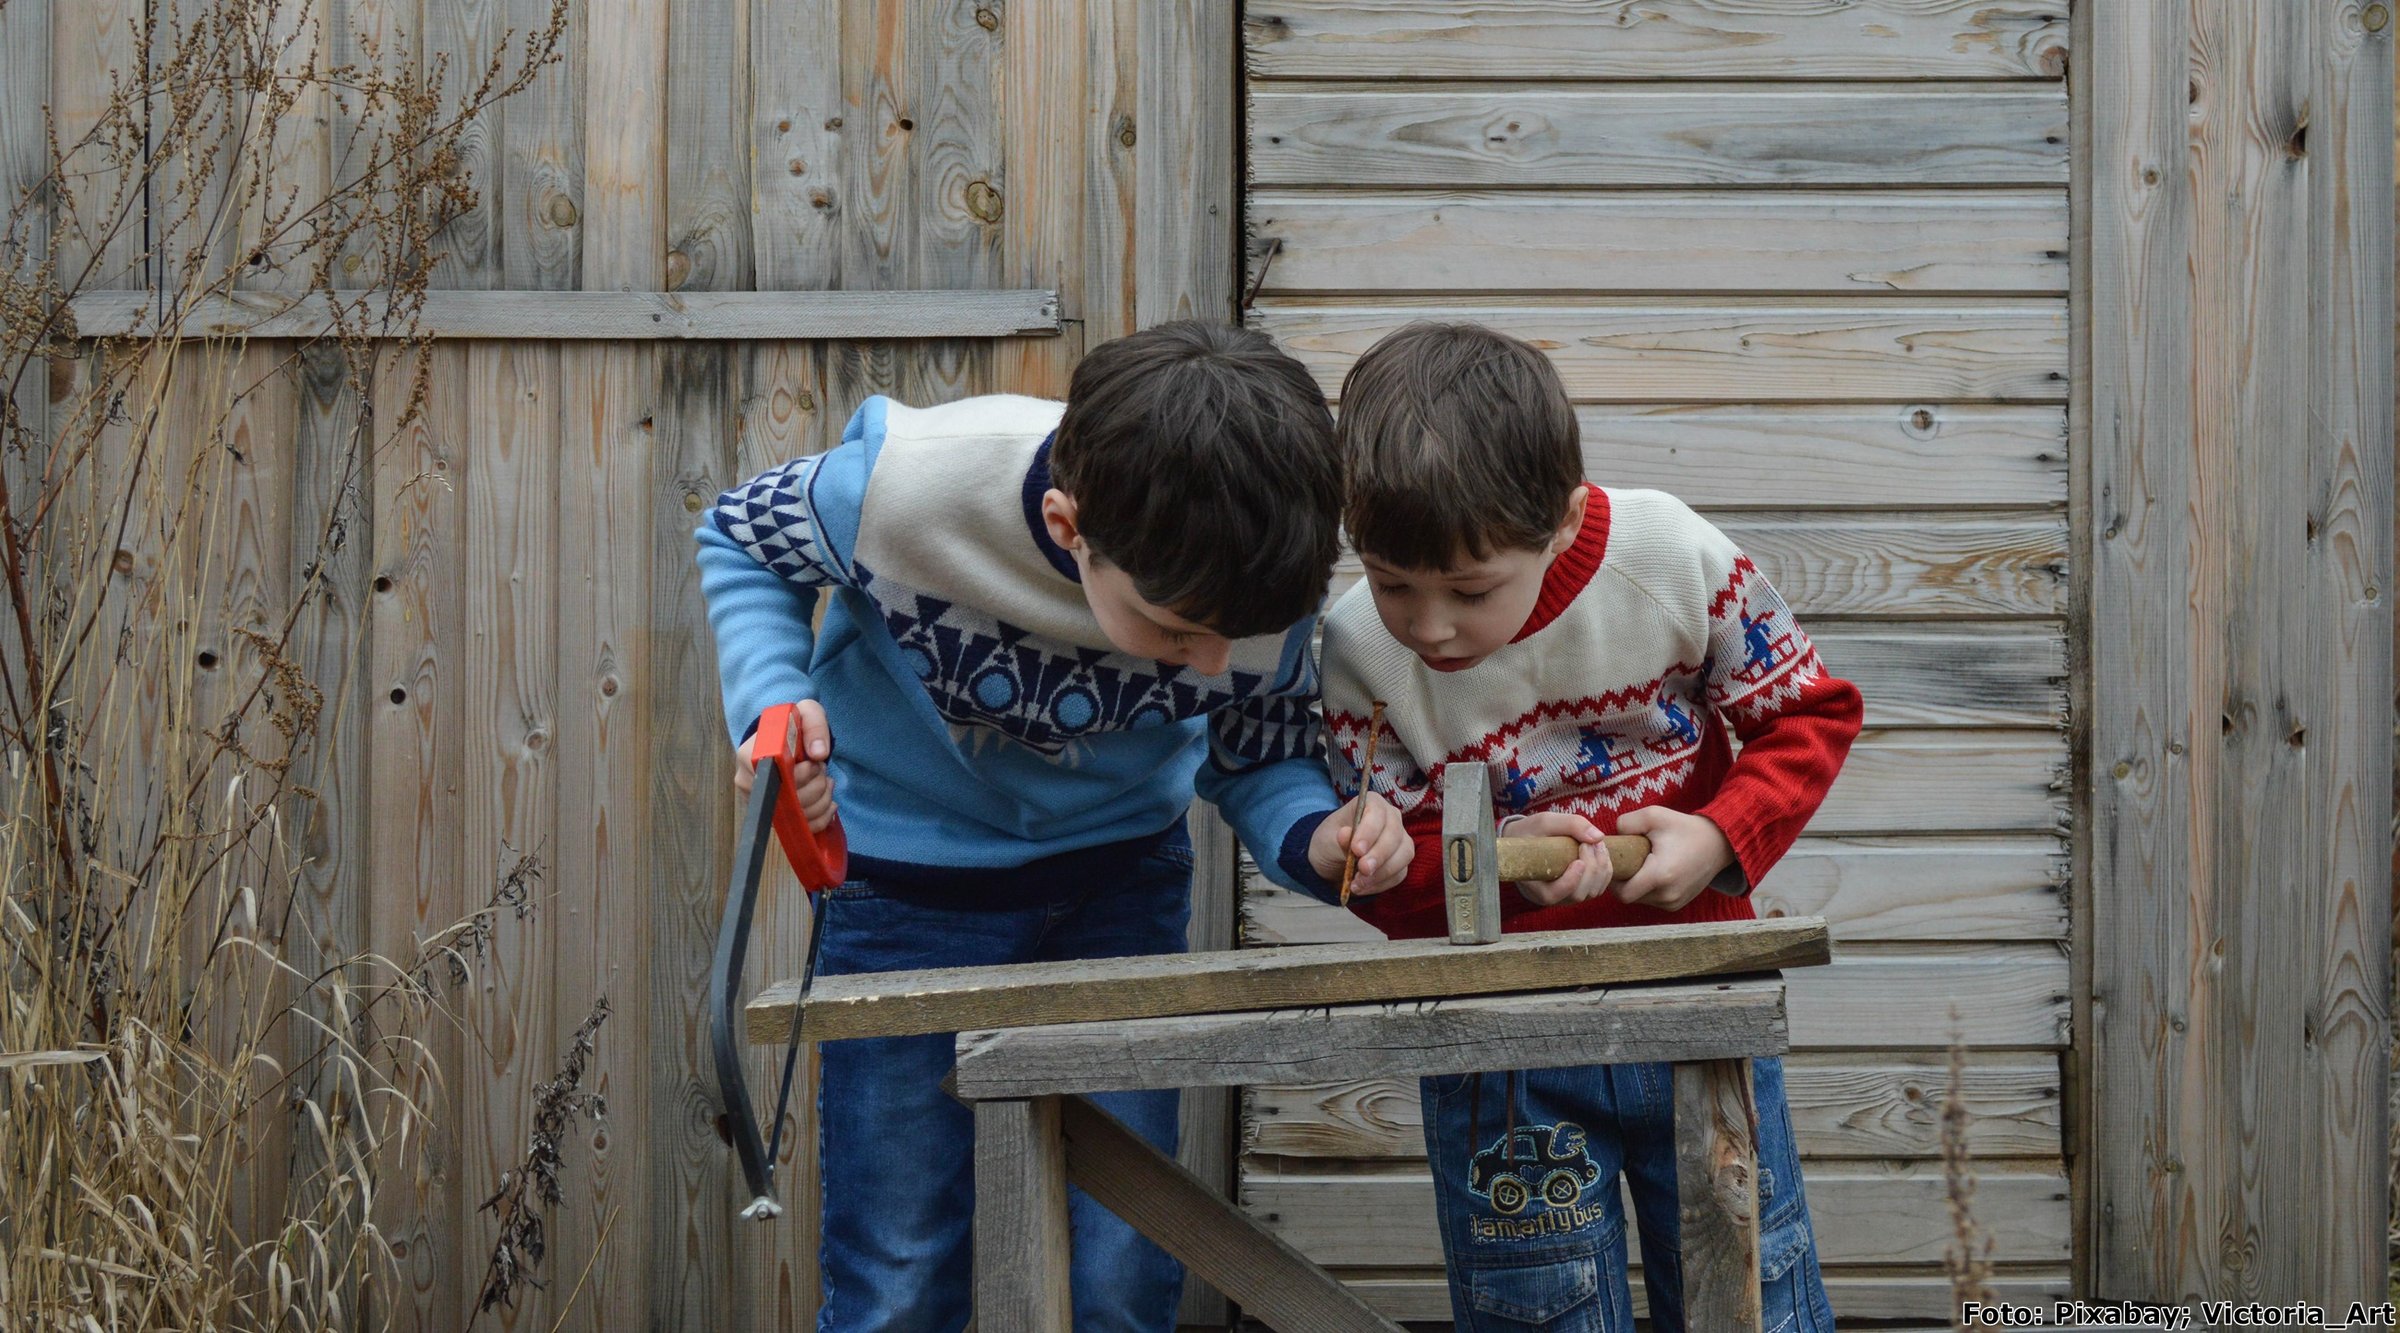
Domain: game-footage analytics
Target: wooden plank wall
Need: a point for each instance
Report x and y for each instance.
(520, 674)
(2240, 454)
(1805, 266)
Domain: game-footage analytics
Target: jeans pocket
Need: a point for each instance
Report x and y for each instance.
(1790, 1285)
(1559, 1291)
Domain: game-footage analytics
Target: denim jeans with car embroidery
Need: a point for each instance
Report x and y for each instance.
(1525, 1171)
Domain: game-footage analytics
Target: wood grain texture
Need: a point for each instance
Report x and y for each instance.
(1097, 990)
(1642, 39)
(2007, 995)
(467, 34)
(1210, 1117)
(879, 191)
(2348, 857)
(99, 246)
(1716, 1175)
(796, 129)
(1948, 782)
(1660, 351)
(632, 313)
(1554, 242)
(1665, 134)
(1916, 456)
(1903, 888)
(1842, 1105)
(606, 507)
(415, 727)
(1863, 1214)
(1191, 1221)
(1186, 225)
(1960, 675)
(538, 206)
(1610, 1025)
(708, 147)
(1021, 1257)
(1047, 121)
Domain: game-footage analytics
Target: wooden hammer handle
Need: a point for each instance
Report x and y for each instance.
(1548, 858)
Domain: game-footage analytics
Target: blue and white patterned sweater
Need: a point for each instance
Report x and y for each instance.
(980, 718)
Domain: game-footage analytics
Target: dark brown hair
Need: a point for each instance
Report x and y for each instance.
(1202, 463)
(1457, 441)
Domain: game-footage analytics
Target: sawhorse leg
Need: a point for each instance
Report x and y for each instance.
(1716, 1175)
(1021, 1254)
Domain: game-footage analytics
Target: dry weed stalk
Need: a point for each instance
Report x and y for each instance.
(1968, 1256)
(171, 998)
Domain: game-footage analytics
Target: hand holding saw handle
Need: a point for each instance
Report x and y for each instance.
(821, 860)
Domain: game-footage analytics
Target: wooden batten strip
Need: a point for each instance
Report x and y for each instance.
(726, 316)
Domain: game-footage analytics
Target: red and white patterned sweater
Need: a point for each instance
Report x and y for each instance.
(1652, 635)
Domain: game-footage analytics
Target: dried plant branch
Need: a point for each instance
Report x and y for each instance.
(528, 1192)
(1968, 1256)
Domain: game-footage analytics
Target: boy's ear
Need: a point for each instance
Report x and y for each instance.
(1568, 530)
(1058, 515)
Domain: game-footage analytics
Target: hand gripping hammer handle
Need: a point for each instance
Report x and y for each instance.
(821, 860)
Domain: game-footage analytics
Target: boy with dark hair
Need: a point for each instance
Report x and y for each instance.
(1044, 619)
(1593, 647)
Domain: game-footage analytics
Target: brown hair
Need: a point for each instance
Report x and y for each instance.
(1457, 441)
(1202, 463)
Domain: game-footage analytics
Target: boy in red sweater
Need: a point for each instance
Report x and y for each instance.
(1594, 648)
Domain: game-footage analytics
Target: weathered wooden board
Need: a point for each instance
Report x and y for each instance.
(1717, 1187)
(632, 314)
(1906, 888)
(1660, 134)
(1947, 781)
(1021, 1240)
(1191, 1221)
(1663, 241)
(2006, 995)
(1864, 1214)
(961, 999)
(1651, 39)
(1187, 208)
(539, 201)
(1950, 675)
(1605, 1025)
(1923, 1301)
(1842, 1105)
(796, 125)
(1672, 351)
(1893, 456)
(1894, 565)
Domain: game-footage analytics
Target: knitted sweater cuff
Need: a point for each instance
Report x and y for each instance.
(1294, 859)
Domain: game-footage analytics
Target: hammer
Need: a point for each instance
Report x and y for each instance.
(1475, 859)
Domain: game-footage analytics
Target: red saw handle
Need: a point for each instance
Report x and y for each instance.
(822, 860)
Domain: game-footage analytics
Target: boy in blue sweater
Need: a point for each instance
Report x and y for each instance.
(1049, 625)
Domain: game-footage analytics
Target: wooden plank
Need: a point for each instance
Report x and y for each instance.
(688, 842)
(1948, 782)
(1842, 1105)
(1210, 1117)
(1021, 1256)
(1665, 351)
(1047, 117)
(796, 127)
(708, 147)
(1716, 1173)
(1864, 1213)
(416, 723)
(539, 204)
(962, 194)
(1645, 39)
(1110, 234)
(2348, 854)
(1916, 566)
(273, 163)
(1893, 456)
(1664, 134)
(629, 313)
(1922, 1300)
(1188, 1220)
(2011, 995)
(1610, 1025)
(467, 34)
(1679, 242)
(96, 53)
(1185, 198)
(25, 436)
(1907, 888)
(1957, 675)
(1098, 990)
(878, 200)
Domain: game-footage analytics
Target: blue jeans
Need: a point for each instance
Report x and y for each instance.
(1525, 1169)
(897, 1153)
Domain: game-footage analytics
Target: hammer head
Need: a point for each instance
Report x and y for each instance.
(1470, 854)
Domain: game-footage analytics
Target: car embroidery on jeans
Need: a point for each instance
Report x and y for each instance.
(1549, 1163)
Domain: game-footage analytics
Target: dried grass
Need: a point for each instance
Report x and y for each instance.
(172, 1000)
(1968, 1256)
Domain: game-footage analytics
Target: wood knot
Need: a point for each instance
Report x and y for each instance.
(563, 212)
(984, 201)
(122, 562)
(987, 19)
(2375, 18)
(1125, 131)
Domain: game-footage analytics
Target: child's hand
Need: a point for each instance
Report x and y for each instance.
(1586, 878)
(816, 784)
(1687, 853)
(1382, 844)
